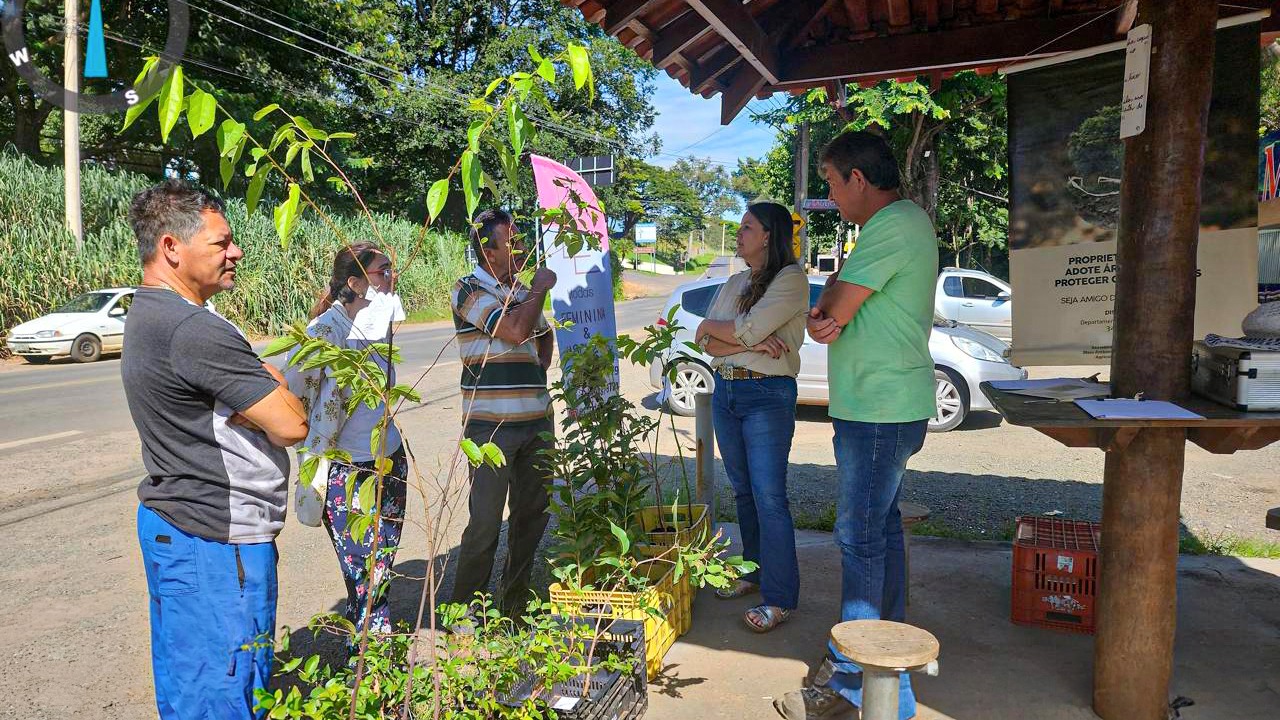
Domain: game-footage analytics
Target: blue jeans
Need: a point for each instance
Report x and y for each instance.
(870, 461)
(213, 615)
(755, 420)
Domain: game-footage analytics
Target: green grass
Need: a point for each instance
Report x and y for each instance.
(699, 264)
(1231, 545)
(275, 286)
(426, 316)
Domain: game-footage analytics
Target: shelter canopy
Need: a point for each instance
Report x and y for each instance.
(745, 50)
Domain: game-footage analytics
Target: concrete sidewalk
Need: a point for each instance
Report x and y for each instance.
(1227, 659)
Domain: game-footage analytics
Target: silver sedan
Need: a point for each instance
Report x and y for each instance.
(963, 357)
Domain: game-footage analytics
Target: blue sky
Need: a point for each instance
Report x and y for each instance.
(690, 125)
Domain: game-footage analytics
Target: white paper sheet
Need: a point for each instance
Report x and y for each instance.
(1129, 409)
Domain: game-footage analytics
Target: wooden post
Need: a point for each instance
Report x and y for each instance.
(1154, 312)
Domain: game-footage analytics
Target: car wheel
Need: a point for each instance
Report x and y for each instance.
(690, 379)
(86, 348)
(37, 359)
(952, 397)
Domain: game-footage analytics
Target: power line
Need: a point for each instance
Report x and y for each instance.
(440, 90)
(443, 93)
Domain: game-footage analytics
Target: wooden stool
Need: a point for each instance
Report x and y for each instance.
(912, 513)
(883, 650)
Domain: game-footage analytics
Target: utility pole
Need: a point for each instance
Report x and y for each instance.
(802, 189)
(722, 227)
(71, 120)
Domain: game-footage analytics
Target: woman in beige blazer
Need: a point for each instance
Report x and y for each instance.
(754, 330)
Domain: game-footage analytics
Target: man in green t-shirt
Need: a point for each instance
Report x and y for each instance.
(876, 314)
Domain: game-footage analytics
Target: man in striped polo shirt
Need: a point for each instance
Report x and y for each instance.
(506, 347)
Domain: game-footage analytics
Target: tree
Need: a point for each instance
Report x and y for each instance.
(951, 145)
(1270, 105)
(710, 183)
(649, 192)
(748, 181)
(404, 73)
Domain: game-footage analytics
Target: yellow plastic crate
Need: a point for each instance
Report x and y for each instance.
(660, 631)
(693, 521)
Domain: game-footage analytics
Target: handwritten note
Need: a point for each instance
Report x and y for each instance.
(1137, 67)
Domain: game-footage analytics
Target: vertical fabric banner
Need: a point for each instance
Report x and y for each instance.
(1269, 181)
(1269, 218)
(1065, 164)
(583, 293)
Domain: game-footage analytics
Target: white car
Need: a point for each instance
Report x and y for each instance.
(975, 298)
(963, 357)
(84, 328)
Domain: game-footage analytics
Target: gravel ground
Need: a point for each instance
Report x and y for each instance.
(979, 478)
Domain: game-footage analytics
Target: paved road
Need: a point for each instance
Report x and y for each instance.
(43, 407)
(724, 266)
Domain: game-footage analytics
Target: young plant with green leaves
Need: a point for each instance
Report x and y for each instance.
(606, 479)
(490, 668)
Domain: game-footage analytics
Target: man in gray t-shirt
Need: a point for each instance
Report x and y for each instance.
(214, 421)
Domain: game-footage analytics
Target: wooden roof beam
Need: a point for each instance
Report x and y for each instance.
(618, 15)
(899, 13)
(676, 37)
(704, 74)
(736, 25)
(958, 49)
(744, 87)
(818, 16)
(859, 16)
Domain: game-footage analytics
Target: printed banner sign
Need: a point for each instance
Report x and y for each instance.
(1066, 160)
(646, 233)
(583, 293)
(1269, 182)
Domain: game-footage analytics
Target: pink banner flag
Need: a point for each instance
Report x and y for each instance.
(555, 181)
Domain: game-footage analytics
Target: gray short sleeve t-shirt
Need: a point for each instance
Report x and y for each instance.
(186, 371)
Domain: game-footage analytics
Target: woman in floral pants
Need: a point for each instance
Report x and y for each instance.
(353, 553)
(356, 311)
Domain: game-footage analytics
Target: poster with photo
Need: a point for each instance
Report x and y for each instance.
(1066, 165)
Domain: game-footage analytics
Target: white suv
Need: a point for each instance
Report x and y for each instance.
(975, 298)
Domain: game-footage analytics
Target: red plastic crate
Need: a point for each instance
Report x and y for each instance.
(1055, 573)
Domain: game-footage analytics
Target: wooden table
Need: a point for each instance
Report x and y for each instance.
(1133, 649)
(1223, 430)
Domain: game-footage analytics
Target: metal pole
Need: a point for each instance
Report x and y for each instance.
(704, 432)
(71, 121)
(1154, 309)
(880, 688)
(802, 189)
(722, 229)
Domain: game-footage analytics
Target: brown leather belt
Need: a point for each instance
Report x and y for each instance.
(737, 373)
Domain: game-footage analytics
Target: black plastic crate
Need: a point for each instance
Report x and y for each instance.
(612, 696)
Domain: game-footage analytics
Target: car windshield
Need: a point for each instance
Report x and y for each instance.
(87, 303)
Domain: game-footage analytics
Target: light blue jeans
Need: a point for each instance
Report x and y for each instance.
(870, 461)
(755, 420)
